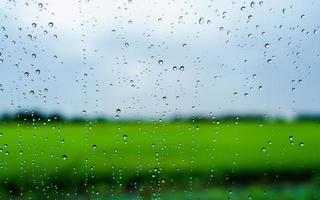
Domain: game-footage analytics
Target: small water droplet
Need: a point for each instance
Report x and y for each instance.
(201, 20)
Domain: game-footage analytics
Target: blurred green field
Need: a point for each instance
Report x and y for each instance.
(176, 154)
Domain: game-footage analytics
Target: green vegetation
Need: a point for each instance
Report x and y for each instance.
(123, 157)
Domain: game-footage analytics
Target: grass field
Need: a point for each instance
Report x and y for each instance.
(155, 157)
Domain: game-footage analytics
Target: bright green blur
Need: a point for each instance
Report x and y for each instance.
(101, 149)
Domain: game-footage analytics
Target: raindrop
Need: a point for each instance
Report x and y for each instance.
(201, 20)
(284, 11)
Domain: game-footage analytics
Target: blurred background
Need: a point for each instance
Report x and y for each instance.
(151, 99)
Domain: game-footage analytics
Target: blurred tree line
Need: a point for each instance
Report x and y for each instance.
(38, 116)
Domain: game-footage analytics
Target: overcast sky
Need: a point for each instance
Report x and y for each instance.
(160, 58)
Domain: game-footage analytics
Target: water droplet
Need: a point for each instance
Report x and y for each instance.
(118, 111)
(201, 20)
(160, 62)
(50, 24)
(64, 157)
(125, 137)
(267, 45)
(291, 139)
(284, 11)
